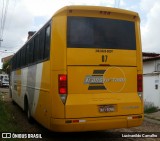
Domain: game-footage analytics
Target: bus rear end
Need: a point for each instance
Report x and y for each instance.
(102, 87)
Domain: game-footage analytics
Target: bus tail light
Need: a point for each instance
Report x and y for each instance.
(140, 85)
(62, 86)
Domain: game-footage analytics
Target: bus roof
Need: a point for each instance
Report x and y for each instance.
(96, 8)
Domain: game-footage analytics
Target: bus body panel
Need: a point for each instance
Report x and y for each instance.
(33, 82)
(90, 87)
(81, 106)
(58, 43)
(79, 56)
(95, 124)
(16, 87)
(101, 79)
(58, 62)
(43, 109)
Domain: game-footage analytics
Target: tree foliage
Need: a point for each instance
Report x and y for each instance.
(5, 67)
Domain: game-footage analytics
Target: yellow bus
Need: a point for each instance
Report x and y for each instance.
(82, 71)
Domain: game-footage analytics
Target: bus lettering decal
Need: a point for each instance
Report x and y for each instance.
(104, 58)
(102, 79)
(104, 51)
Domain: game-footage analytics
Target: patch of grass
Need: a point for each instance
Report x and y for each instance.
(6, 119)
(151, 109)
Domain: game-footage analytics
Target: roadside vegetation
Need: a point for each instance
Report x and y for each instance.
(6, 67)
(150, 108)
(7, 121)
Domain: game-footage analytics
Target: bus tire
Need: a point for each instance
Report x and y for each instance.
(13, 102)
(28, 112)
(10, 94)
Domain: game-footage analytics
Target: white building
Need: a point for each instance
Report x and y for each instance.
(151, 79)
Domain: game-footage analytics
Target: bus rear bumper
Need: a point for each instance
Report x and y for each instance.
(93, 124)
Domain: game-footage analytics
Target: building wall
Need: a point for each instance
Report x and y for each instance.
(151, 83)
(5, 59)
(148, 67)
(151, 90)
(151, 66)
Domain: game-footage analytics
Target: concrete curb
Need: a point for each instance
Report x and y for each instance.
(152, 120)
(152, 117)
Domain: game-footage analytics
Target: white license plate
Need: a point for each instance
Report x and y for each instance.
(106, 108)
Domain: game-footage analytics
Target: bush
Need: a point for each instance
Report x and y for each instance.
(149, 107)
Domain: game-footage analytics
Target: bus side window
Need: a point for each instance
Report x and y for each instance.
(16, 61)
(31, 48)
(36, 48)
(20, 58)
(13, 62)
(23, 56)
(41, 44)
(47, 42)
(27, 54)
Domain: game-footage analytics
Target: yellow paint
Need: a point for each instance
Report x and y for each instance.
(76, 79)
(18, 76)
(81, 56)
(43, 110)
(94, 124)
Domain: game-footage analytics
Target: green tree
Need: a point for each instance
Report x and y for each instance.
(6, 67)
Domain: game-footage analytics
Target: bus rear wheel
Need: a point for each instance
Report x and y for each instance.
(28, 112)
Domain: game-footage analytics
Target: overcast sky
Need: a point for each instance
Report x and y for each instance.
(30, 15)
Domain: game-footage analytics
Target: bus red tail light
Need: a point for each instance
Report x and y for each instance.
(62, 86)
(140, 86)
(139, 83)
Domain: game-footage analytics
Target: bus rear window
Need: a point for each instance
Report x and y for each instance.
(85, 32)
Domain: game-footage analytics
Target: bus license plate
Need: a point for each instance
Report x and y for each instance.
(106, 108)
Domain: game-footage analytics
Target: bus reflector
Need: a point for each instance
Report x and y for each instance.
(139, 83)
(62, 86)
(75, 121)
(134, 117)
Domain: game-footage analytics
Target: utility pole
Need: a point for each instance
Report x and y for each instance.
(0, 42)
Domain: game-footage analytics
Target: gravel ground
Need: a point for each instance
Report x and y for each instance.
(20, 120)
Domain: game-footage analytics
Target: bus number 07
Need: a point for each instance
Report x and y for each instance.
(104, 58)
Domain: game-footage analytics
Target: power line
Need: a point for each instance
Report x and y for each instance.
(3, 18)
(7, 51)
(1, 22)
(15, 50)
(116, 3)
(5, 15)
(13, 6)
